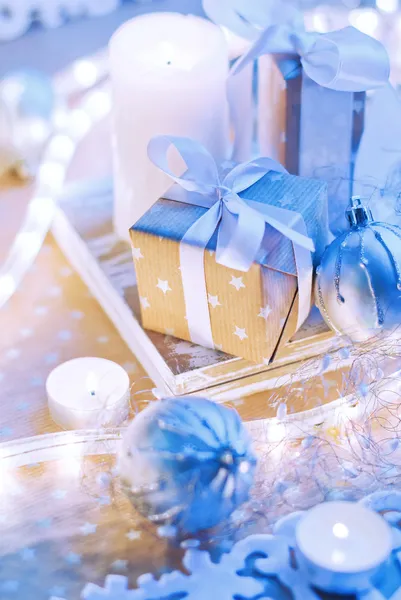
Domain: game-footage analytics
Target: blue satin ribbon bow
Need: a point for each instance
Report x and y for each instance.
(240, 224)
(343, 60)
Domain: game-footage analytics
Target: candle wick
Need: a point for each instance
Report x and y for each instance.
(93, 393)
(169, 62)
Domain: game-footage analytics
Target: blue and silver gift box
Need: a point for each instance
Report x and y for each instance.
(311, 102)
(225, 259)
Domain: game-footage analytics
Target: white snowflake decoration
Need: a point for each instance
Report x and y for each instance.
(206, 579)
(221, 580)
(116, 588)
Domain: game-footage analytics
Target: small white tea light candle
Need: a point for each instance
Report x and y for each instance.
(86, 393)
(342, 545)
(168, 75)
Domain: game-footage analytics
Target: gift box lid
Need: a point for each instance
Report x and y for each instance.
(171, 219)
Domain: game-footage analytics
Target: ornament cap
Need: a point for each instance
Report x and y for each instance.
(358, 214)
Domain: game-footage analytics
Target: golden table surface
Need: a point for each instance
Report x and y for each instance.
(59, 524)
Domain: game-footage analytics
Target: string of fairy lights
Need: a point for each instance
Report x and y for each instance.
(69, 127)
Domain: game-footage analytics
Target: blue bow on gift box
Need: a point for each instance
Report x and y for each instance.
(345, 60)
(342, 60)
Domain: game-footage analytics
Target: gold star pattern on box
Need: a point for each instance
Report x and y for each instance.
(238, 301)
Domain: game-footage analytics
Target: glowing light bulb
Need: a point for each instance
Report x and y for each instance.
(351, 3)
(338, 557)
(98, 104)
(11, 90)
(42, 207)
(29, 241)
(61, 117)
(340, 531)
(319, 23)
(38, 130)
(79, 123)
(276, 431)
(69, 125)
(9, 485)
(61, 148)
(85, 73)
(387, 6)
(366, 20)
(244, 467)
(70, 457)
(52, 174)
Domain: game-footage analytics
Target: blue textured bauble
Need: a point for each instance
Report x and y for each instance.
(188, 462)
(358, 283)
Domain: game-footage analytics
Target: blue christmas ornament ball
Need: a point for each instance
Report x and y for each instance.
(358, 283)
(187, 462)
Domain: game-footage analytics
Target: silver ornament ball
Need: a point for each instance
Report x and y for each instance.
(358, 282)
(187, 462)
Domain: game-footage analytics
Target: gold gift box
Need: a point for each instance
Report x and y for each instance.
(252, 314)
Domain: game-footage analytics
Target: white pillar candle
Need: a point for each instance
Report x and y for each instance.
(342, 545)
(240, 94)
(168, 74)
(86, 393)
